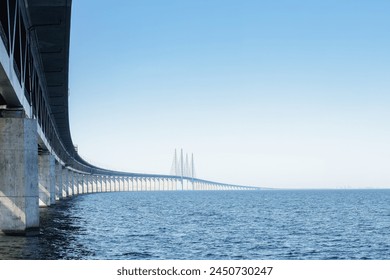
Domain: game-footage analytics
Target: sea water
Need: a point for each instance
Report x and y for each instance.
(280, 224)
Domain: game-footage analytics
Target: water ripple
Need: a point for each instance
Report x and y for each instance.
(211, 225)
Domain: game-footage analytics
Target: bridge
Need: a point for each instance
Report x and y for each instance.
(39, 163)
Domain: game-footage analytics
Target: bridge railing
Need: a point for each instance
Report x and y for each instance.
(21, 43)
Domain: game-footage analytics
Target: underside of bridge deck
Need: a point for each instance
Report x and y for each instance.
(51, 21)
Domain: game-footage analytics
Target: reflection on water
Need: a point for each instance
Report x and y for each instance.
(55, 241)
(211, 225)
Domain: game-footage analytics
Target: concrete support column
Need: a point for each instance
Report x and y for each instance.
(74, 183)
(65, 182)
(46, 179)
(89, 183)
(94, 184)
(58, 181)
(70, 178)
(80, 183)
(71, 182)
(76, 178)
(79, 188)
(19, 195)
(98, 185)
(85, 183)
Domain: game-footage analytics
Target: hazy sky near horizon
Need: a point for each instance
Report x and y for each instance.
(273, 93)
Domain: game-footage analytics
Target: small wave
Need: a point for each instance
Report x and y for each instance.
(137, 255)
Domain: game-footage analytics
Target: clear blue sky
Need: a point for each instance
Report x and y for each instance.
(263, 92)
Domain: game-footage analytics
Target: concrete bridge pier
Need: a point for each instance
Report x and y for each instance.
(46, 179)
(92, 183)
(71, 182)
(132, 183)
(108, 184)
(76, 182)
(88, 183)
(84, 183)
(19, 196)
(58, 167)
(80, 184)
(105, 183)
(65, 182)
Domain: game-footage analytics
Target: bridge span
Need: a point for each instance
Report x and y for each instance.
(38, 160)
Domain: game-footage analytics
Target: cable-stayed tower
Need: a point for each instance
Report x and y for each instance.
(183, 166)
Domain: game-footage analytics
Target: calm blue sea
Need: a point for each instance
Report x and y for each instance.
(285, 224)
